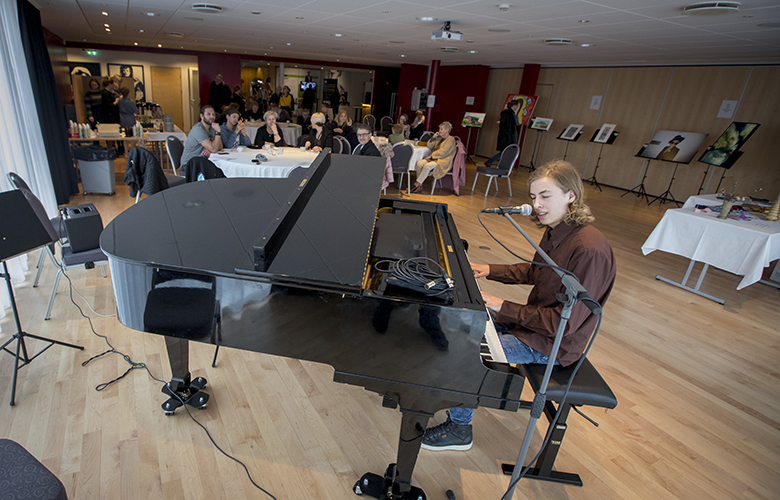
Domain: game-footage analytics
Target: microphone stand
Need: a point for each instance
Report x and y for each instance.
(574, 292)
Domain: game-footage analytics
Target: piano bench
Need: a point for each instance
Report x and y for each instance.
(587, 389)
(23, 476)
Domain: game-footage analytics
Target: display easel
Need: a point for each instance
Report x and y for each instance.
(736, 155)
(667, 195)
(470, 121)
(639, 189)
(22, 233)
(573, 139)
(469, 159)
(610, 140)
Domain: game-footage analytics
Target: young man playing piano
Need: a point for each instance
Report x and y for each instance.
(527, 331)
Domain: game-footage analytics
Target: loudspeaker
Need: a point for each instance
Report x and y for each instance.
(83, 226)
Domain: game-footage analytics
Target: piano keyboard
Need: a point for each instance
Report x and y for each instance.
(490, 348)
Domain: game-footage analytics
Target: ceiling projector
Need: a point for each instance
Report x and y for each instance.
(445, 33)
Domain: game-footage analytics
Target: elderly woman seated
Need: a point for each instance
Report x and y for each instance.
(271, 134)
(443, 150)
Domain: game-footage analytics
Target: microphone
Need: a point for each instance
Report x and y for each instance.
(522, 210)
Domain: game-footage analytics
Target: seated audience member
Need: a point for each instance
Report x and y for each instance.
(282, 116)
(418, 125)
(286, 100)
(271, 134)
(221, 117)
(204, 137)
(366, 146)
(342, 125)
(274, 99)
(439, 162)
(127, 111)
(397, 135)
(253, 114)
(404, 121)
(234, 131)
(326, 112)
(304, 120)
(320, 135)
(238, 98)
(527, 331)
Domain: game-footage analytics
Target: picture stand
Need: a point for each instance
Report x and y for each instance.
(611, 140)
(469, 159)
(565, 137)
(667, 195)
(472, 120)
(736, 155)
(639, 189)
(20, 234)
(532, 162)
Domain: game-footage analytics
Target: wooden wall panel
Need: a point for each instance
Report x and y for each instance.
(692, 104)
(758, 168)
(633, 102)
(501, 83)
(547, 89)
(577, 87)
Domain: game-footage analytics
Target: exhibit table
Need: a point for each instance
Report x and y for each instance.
(235, 164)
(290, 131)
(743, 247)
(153, 135)
(712, 200)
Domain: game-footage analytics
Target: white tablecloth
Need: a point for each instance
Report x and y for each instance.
(418, 152)
(235, 164)
(740, 247)
(161, 136)
(711, 200)
(290, 131)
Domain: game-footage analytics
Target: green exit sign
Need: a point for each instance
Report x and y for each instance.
(91, 52)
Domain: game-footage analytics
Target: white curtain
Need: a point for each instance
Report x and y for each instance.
(21, 142)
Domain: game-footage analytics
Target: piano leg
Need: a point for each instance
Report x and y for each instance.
(397, 481)
(181, 389)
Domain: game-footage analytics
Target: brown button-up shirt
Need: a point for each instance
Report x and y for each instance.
(584, 251)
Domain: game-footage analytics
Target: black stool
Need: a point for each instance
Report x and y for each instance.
(22, 476)
(587, 389)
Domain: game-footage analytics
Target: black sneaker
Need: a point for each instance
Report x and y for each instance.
(448, 436)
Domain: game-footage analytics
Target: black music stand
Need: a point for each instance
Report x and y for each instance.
(20, 234)
(573, 139)
(531, 163)
(639, 189)
(662, 198)
(610, 140)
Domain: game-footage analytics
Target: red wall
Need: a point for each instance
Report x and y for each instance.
(412, 75)
(211, 64)
(455, 83)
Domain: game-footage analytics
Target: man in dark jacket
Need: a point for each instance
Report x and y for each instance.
(507, 130)
(219, 94)
(366, 146)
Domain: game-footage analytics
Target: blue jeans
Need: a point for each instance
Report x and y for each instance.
(517, 353)
(494, 159)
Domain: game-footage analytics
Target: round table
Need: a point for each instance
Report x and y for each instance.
(290, 131)
(235, 164)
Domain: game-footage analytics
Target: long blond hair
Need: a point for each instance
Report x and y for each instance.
(566, 177)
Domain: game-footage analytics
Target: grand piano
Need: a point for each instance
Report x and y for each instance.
(298, 268)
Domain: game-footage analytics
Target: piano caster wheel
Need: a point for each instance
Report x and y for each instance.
(168, 413)
(200, 383)
(202, 407)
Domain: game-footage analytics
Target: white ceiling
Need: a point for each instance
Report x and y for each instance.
(621, 32)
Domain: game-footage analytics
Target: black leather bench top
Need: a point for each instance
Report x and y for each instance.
(588, 388)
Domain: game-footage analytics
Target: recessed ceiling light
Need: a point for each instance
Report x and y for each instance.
(385, 12)
(337, 34)
(583, 21)
(428, 19)
(142, 31)
(150, 14)
(498, 30)
(585, 45)
(159, 45)
(710, 8)
(557, 41)
(403, 55)
(104, 13)
(337, 60)
(265, 54)
(288, 43)
(106, 25)
(256, 12)
(473, 51)
(503, 7)
(108, 29)
(135, 43)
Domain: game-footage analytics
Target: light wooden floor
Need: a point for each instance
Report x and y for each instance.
(697, 384)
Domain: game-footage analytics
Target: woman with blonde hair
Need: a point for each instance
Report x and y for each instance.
(527, 331)
(271, 134)
(321, 135)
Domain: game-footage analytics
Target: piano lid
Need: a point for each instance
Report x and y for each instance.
(211, 226)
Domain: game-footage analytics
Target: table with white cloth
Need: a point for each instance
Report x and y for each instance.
(712, 200)
(418, 152)
(235, 164)
(290, 131)
(155, 142)
(743, 247)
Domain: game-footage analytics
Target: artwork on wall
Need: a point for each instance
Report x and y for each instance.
(134, 72)
(474, 120)
(571, 133)
(527, 104)
(729, 142)
(84, 68)
(541, 123)
(677, 147)
(603, 135)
